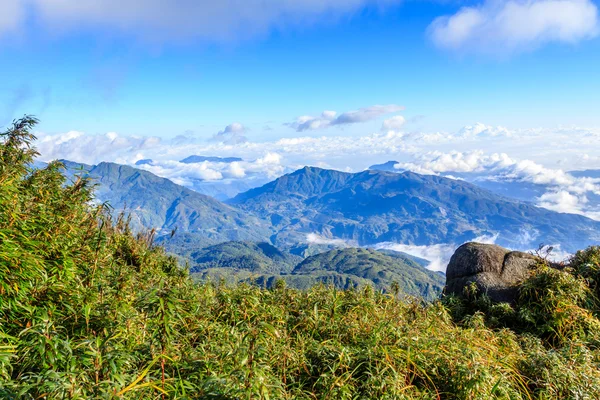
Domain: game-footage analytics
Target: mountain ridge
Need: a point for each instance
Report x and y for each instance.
(365, 208)
(379, 206)
(155, 202)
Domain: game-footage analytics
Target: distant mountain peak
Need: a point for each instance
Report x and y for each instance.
(308, 169)
(304, 182)
(373, 206)
(198, 159)
(387, 166)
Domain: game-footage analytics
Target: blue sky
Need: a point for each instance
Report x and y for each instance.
(107, 73)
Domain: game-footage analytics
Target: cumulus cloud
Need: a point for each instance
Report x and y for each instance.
(91, 149)
(197, 175)
(515, 25)
(563, 201)
(485, 131)
(393, 124)
(498, 165)
(299, 151)
(332, 118)
(472, 133)
(185, 174)
(164, 20)
(232, 134)
(563, 191)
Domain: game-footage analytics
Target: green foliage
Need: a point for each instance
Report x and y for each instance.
(355, 267)
(264, 265)
(255, 257)
(90, 310)
(586, 264)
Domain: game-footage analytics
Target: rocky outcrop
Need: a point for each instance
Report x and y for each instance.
(496, 271)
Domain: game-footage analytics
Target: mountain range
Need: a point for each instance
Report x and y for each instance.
(336, 208)
(510, 186)
(371, 207)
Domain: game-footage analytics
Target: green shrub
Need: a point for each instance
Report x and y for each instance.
(89, 310)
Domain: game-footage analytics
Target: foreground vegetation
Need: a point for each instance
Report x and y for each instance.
(88, 310)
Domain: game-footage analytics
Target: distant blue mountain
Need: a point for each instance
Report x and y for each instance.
(388, 166)
(144, 161)
(377, 206)
(512, 188)
(157, 203)
(588, 173)
(199, 159)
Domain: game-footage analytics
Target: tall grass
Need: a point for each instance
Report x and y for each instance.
(90, 310)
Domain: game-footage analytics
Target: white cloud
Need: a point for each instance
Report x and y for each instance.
(562, 201)
(393, 124)
(80, 147)
(269, 158)
(331, 118)
(184, 174)
(232, 134)
(315, 238)
(192, 174)
(482, 130)
(499, 165)
(438, 255)
(564, 192)
(237, 170)
(164, 20)
(500, 26)
(486, 239)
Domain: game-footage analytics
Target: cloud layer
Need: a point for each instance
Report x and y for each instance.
(528, 164)
(499, 26)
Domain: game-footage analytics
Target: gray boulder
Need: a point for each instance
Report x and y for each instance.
(496, 271)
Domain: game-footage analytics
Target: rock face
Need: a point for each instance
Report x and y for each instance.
(495, 270)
